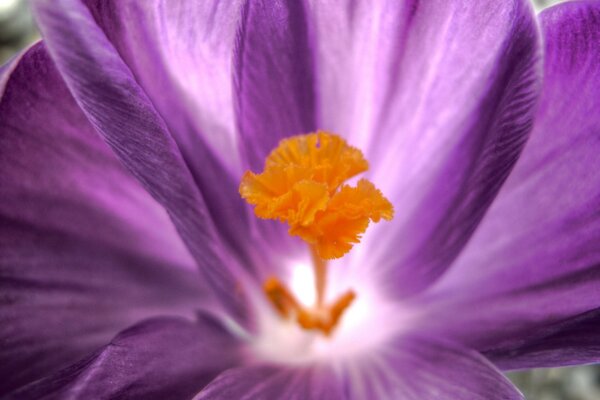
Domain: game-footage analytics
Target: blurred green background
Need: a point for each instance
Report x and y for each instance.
(17, 30)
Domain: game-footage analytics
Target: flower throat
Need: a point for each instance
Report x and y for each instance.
(303, 185)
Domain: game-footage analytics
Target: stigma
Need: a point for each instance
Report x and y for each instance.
(303, 185)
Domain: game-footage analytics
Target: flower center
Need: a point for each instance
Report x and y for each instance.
(303, 185)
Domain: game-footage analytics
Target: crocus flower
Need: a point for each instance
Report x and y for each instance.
(131, 267)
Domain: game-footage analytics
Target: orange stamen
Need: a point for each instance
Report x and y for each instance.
(324, 318)
(303, 185)
(283, 300)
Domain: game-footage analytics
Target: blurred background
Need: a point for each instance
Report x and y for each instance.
(17, 30)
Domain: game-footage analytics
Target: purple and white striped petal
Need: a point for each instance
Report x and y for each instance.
(181, 54)
(84, 250)
(442, 129)
(121, 112)
(440, 95)
(534, 264)
(412, 368)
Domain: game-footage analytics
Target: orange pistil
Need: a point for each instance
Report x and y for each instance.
(303, 185)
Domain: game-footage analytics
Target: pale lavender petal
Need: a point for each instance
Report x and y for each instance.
(451, 94)
(84, 250)
(442, 130)
(162, 358)
(124, 116)
(417, 368)
(275, 382)
(181, 54)
(440, 96)
(534, 262)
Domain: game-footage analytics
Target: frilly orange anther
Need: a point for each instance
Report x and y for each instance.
(303, 185)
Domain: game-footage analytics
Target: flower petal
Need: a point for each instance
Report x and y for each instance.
(394, 79)
(276, 382)
(440, 96)
(84, 250)
(570, 342)
(274, 77)
(407, 368)
(166, 358)
(124, 116)
(411, 368)
(180, 53)
(534, 262)
(273, 89)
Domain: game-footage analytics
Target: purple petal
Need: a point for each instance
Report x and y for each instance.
(274, 77)
(181, 55)
(164, 358)
(84, 250)
(570, 342)
(366, 71)
(440, 96)
(124, 116)
(407, 368)
(265, 382)
(534, 263)
(502, 323)
(416, 369)
(274, 89)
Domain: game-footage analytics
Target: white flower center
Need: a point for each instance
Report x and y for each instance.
(368, 322)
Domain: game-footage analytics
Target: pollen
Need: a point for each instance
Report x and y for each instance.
(303, 185)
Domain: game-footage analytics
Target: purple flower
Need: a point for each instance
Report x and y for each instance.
(131, 268)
